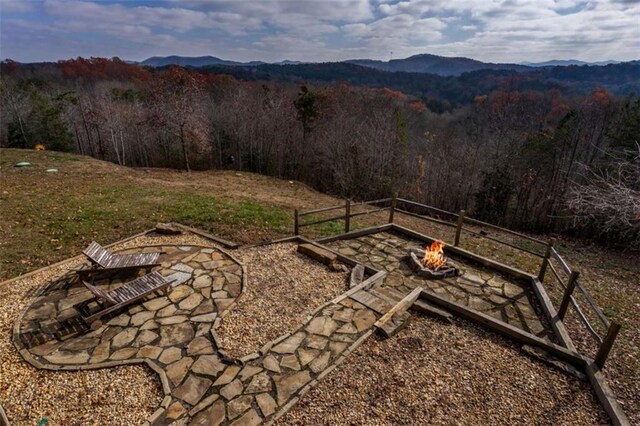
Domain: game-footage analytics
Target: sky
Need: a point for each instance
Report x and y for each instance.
(321, 30)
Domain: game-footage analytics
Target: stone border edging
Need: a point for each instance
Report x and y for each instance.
(226, 243)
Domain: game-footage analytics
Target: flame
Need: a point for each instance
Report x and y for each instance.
(434, 256)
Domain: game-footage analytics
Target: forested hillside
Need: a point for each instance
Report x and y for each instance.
(445, 93)
(549, 150)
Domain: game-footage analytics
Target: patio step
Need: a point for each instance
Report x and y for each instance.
(392, 295)
(371, 301)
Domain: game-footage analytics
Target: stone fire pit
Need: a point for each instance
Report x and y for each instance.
(415, 263)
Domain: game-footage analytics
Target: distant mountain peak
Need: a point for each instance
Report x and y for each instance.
(193, 61)
(566, 63)
(434, 64)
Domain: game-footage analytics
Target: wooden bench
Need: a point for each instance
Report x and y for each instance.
(103, 260)
(128, 293)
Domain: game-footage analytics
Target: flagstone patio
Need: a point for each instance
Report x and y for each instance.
(175, 334)
(477, 287)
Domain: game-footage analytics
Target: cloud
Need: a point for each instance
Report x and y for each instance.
(492, 30)
(174, 18)
(402, 28)
(323, 10)
(15, 6)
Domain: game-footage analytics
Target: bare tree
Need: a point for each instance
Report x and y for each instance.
(609, 199)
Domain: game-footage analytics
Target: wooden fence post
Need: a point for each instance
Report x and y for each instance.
(607, 344)
(545, 261)
(347, 215)
(392, 209)
(566, 298)
(296, 222)
(456, 241)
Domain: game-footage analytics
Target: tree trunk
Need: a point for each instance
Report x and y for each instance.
(122, 146)
(184, 149)
(86, 129)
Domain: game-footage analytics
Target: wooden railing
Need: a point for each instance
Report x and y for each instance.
(457, 221)
(573, 283)
(348, 207)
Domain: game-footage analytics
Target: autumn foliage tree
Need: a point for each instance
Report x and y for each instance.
(178, 98)
(522, 154)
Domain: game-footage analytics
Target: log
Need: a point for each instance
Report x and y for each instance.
(395, 324)
(397, 317)
(545, 357)
(318, 253)
(433, 311)
(167, 229)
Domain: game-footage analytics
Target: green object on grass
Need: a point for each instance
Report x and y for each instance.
(23, 164)
(43, 421)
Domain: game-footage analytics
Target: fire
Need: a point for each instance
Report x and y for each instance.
(434, 256)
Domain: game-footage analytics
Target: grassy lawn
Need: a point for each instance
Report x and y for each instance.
(46, 217)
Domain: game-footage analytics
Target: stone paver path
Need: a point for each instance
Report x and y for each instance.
(479, 288)
(175, 333)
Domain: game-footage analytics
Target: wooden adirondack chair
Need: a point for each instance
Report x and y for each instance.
(103, 260)
(128, 293)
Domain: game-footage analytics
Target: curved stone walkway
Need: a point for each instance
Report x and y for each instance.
(175, 334)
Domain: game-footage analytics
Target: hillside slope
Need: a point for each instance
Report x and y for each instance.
(46, 217)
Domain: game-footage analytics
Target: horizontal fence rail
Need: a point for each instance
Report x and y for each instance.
(568, 284)
(595, 309)
(346, 216)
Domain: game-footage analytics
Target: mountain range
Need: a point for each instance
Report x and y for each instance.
(566, 63)
(423, 63)
(203, 61)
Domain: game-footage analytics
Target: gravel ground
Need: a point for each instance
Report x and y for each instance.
(613, 280)
(283, 288)
(432, 373)
(115, 396)
(611, 276)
